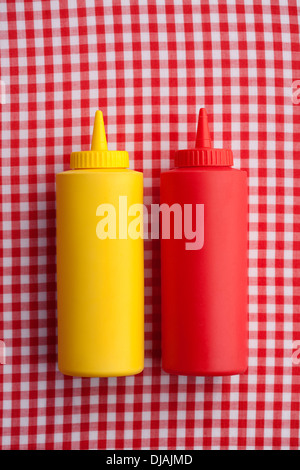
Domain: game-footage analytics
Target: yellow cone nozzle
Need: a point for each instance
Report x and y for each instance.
(99, 156)
(99, 137)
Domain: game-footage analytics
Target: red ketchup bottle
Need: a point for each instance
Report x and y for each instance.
(204, 261)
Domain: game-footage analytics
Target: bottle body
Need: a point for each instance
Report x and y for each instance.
(204, 287)
(100, 276)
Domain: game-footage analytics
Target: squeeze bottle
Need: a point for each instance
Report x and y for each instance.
(204, 261)
(100, 263)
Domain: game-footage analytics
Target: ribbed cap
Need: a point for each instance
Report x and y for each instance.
(203, 154)
(99, 156)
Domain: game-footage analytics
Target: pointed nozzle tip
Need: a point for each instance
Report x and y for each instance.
(203, 135)
(99, 137)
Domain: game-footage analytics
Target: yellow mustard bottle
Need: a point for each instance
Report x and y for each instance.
(100, 263)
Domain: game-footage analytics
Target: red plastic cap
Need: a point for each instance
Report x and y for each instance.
(203, 154)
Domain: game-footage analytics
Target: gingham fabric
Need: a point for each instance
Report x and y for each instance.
(149, 66)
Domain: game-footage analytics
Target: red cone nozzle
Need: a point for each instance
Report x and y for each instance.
(203, 136)
(203, 154)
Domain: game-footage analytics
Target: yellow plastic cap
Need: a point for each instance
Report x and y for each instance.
(99, 156)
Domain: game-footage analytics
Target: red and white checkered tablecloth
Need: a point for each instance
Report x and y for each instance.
(149, 66)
